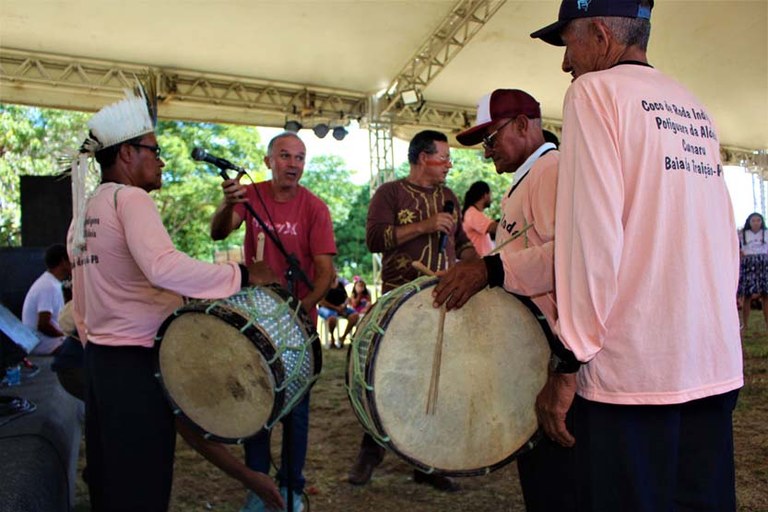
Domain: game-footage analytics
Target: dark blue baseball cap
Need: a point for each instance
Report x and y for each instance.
(573, 9)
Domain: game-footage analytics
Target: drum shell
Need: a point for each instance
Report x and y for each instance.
(388, 376)
(237, 379)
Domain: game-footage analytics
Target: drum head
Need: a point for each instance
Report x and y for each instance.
(493, 365)
(216, 376)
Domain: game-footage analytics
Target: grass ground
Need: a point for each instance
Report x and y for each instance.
(335, 436)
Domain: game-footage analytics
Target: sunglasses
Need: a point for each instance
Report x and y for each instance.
(155, 149)
(490, 139)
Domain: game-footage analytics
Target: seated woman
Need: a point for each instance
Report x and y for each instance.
(334, 305)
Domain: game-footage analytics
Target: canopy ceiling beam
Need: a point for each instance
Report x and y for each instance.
(87, 84)
(55, 81)
(456, 30)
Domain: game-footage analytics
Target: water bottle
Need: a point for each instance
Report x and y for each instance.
(13, 376)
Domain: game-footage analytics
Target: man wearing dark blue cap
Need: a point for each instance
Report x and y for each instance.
(646, 268)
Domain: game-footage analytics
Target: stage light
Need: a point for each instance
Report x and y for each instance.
(410, 96)
(339, 133)
(321, 130)
(292, 126)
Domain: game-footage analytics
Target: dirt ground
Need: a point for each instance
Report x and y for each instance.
(335, 436)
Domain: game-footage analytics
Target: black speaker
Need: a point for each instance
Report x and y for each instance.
(22, 265)
(46, 210)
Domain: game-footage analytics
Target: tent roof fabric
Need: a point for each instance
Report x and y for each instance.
(719, 49)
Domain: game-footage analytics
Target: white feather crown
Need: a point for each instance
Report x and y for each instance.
(128, 118)
(121, 121)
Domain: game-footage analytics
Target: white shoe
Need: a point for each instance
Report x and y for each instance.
(298, 503)
(254, 504)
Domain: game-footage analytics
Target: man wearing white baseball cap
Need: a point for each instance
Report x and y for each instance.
(509, 127)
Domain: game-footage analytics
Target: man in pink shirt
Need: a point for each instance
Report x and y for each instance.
(301, 221)
(509, 126)
(476, 224)
(127, 279)
(646, 269)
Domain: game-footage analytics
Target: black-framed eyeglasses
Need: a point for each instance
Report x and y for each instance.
(490, 139)
(155, 149)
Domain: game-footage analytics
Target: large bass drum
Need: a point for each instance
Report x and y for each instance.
(235, 366)
(465, 407)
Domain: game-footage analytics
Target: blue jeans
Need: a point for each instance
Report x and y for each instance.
(257, 449)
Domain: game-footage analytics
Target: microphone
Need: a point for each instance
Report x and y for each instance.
(447, 208)
(225, 165)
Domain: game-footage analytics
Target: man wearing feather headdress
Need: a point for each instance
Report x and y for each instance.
(128, 277)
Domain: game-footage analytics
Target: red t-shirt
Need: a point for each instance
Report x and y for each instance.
(303, 225)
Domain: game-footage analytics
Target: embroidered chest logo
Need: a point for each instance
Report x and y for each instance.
(405, 217)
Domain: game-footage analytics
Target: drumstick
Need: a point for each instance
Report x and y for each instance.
(434, 382)
(260, 246)
(517, 235)
(422, 268)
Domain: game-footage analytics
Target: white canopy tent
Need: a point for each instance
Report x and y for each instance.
(263, 62)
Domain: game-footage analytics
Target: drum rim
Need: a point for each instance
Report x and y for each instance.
(262, 344)
(375, 419)
(310, 329)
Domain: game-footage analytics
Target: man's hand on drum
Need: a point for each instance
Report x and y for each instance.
(552, 405)
(259, 273)
(265, 488)
(459, 283)
(234, 192)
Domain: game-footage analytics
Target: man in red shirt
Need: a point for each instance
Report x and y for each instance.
(302, 222)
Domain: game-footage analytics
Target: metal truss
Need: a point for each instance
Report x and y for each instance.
(464, 21)
(440, 116)
(86, 84)
(382, 153)
(56, 81)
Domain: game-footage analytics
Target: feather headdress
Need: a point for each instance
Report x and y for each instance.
(131, 117)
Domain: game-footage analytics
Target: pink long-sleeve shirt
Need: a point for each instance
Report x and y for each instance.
(475, 224)
(646, 259)
(130, 276)
(529, 260)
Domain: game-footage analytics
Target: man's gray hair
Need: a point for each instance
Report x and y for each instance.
(283, 135)
(630, 31)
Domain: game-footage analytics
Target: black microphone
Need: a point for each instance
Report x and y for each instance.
(225, 165)
(447, 208)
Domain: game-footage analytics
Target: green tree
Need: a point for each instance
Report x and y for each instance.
(32, 142)
(37, 142)
(328, 177)
(469, 166)
(192, 190)
(354, 258)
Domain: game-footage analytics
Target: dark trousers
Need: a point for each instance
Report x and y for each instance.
(374, 450)
(656, 458)
(258, 453)
(548, 476)
(130, 435)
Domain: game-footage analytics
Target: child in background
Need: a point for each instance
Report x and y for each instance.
(361, 297)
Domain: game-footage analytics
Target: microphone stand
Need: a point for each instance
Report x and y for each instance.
(293, 275)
